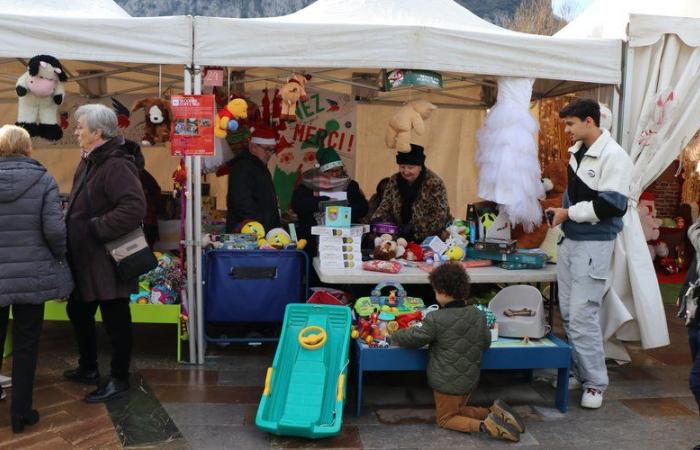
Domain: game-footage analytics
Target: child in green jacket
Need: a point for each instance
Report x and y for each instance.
(457, 335)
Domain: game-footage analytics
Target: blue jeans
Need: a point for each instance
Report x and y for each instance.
(694, 340)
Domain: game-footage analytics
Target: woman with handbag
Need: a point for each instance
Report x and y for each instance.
(32, 261)
(106, 205)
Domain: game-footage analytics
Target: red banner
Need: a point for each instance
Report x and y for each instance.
(192, 129)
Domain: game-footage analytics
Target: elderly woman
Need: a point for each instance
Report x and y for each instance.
(329, 177)
(415, 198)
(32, 265)
(106, 203)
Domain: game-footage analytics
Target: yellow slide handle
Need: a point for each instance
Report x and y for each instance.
(312, 341)
(341, 383)
(268, 380)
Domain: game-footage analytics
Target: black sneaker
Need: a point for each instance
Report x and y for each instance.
(108, 391)
(82, 376)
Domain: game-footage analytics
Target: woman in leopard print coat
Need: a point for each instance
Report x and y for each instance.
(415, 198)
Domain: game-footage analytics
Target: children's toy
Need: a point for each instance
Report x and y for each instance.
(305, 389)
(435, 244)
(256, 229)
(365, 306)
(414, 252)
(455, 253)
(408, 320)
(239, 241)
(291, 93)
(385, 248)
(384, 228)
(378, 265)
(227, 118)
(157, 118)
(517, 298)
(278, 238)
(409, 117)
(338, 216)
(40, 91)
(329, 296)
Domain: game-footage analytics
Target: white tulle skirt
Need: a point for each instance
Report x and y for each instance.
(509, 169)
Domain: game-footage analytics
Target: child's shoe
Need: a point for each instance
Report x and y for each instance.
(508, 414)
(592, 399)
(497, 428)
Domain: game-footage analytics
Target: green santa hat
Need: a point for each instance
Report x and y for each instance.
(328, 159)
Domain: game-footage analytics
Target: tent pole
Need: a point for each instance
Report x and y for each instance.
(624, 134)
(192, 312)
(197, 207)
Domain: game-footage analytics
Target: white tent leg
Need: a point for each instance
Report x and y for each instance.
(625, 134)
(191, 303)
(197, 168)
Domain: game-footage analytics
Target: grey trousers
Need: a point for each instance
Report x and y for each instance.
(583, 268)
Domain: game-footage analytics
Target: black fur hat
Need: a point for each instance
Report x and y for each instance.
(33, 66)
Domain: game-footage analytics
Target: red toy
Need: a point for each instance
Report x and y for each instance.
(406, 320)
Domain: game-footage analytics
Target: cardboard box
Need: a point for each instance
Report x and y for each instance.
(343, 248)
(355, 231)
(339, 256)
(341, 264)
(435, 244)
(338, 216)
(338, 241)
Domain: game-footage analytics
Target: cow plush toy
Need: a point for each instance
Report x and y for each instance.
(40, 91)
(157, 116)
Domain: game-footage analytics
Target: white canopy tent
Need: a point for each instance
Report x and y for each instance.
(658, 116)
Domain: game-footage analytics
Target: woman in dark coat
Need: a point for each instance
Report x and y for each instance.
(106, 202)
(329, 177)
(32, 265)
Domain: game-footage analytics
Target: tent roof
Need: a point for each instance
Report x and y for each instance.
(647, 20)
(437, 35)
(75, 30)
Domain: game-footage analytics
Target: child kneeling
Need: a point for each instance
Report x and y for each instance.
(457, 335)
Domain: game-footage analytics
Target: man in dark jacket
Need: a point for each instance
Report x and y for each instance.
(457, 335)
(106, 202)
(251, 192)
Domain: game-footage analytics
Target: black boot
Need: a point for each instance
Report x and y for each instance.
(18, 422)
(80, 375)
(113, 388)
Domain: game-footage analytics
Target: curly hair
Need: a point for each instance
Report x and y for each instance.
(451, 279)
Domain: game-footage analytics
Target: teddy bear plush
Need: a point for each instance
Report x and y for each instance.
(409, 116)
(228, 116)
(555, 179)
(157, 116)
(650, 224)
(291, 93)
(386, 248)
(40, 91)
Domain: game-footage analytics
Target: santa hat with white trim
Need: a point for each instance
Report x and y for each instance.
(264, 136)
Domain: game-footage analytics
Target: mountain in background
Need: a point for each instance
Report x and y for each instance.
(487, 9)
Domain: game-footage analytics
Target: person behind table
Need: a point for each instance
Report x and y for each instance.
(595, 200)
(415, 198)
(457, 335)
(251, 192)
(376, 198)
(689, 311)
(330, 176)
(32, 266)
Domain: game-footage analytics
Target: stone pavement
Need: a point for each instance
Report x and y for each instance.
(175, 406)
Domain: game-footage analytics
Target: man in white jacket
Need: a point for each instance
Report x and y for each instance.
(595, 200)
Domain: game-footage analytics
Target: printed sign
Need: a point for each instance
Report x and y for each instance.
(192, 128)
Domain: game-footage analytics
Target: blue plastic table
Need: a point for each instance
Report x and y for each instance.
(503, 354)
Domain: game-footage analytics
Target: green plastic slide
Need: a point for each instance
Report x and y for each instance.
(305, 387)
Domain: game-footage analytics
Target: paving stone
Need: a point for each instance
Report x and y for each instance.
(195, 377)
(417, 436)
(657, 407)
(349, 438)
(214, 437)
(246, 376)
(202, 414)
(208, 394)
(405, 416)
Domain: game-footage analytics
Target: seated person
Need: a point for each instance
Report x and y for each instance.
(415, 198)
(376, 199)
(457, 335)
(251, 192)
(330, 176)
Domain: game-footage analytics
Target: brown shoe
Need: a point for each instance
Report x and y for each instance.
(508, 414)
(497, 428)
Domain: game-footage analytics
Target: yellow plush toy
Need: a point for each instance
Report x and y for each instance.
(278, 238)
(291, 93)
(235, 109)
(256, 228)
(410, 116)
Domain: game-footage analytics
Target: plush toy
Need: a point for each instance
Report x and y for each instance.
(555, 179)
(385, 248)
(409, 116)
(455, 253)
(414, 252)
(291, 93)
(227, 118)
(179, 178)
(256, 228)
(157, 115)
(278, 238)
(650, 224)
(40, 91)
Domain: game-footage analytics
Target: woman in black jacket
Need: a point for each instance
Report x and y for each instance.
(329, 177)
(32, 265)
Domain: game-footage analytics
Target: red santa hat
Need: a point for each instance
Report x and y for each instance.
(264, 136)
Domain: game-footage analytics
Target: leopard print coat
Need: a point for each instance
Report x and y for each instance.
(431, 212)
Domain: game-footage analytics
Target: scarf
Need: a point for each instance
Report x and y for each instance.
(409, 194)
(317, 181)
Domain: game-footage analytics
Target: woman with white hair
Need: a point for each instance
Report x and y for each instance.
(32, 265)
(106, 203)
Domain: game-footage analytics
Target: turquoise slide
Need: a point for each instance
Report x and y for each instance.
(305, 387)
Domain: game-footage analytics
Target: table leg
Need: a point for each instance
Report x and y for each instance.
(562, 396)
(358, 400)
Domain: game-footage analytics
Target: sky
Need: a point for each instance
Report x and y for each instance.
(577, 5)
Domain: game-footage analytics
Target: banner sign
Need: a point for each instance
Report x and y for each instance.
(403, 78)
(192, 128)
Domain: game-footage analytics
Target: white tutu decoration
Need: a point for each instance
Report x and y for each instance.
(509, 169)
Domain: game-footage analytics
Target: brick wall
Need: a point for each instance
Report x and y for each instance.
(668, 192)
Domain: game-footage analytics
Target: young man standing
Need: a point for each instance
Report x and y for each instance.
(596, 199)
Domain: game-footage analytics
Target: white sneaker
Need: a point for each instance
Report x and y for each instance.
(5, 382)
(574, 383)
(592, 399)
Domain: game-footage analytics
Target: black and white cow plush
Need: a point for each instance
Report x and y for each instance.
(40, 91)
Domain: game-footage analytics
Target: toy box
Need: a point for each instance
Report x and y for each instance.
(354, 231)
(340, 256)
(344, 248)
(338, 216)
(337, 241)
(435, 244)
(341, 264)
(527, 259)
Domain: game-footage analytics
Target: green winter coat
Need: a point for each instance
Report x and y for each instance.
(457, 335)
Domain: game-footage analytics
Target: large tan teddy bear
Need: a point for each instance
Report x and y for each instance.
(555, 178)
(410, 116)
(291, 93)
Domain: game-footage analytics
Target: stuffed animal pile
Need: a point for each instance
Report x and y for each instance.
(40, 91)
(408, 117)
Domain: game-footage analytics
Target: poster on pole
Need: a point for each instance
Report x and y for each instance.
(192, 128)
